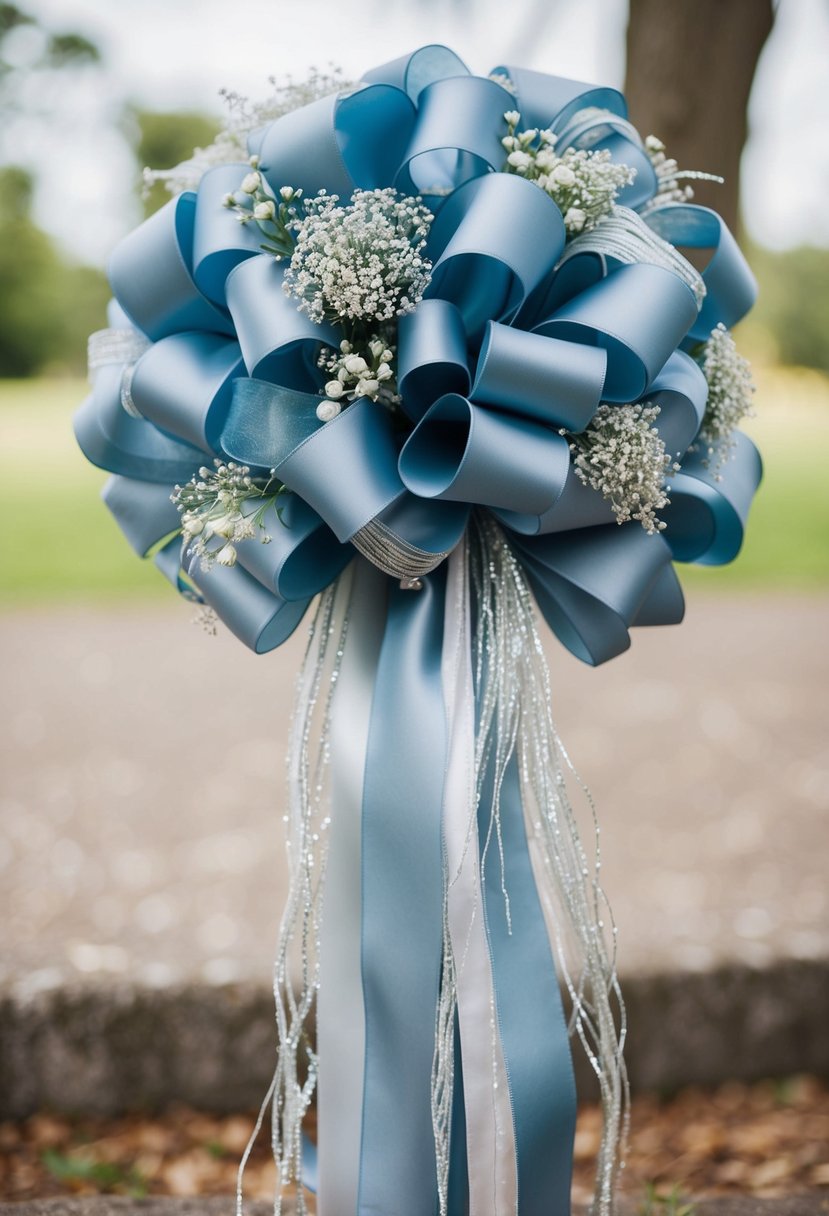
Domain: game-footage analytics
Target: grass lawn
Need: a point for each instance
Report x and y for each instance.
(60, 543)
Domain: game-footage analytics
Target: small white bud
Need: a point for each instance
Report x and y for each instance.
(519, 160)
(228, 200)
(254, 161)
(383, 372)
(326, 410)
(227, 555)
(251, 183)
(562, 175)
(367, 388)
(574, 219)
(192, 525)
(264, 211)
(334, 388)
(376, 347)
(287, 193)
(512, 118)
(345, 347)
(354, 364)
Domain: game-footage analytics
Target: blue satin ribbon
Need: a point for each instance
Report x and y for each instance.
(402, 885)
(151, 274)
(731, 288)
(183, 385)
(530, 1015)
(278, 342)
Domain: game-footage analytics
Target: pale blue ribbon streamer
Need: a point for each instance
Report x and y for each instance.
(402, 886)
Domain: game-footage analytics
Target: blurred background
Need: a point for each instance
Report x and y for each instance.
(142, 761)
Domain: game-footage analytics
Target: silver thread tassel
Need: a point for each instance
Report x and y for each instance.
(514, 694)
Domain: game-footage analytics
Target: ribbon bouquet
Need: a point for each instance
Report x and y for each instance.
(431, 354)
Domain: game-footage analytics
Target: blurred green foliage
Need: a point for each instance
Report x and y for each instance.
(48, 305)
(166, 139)
(790, 321)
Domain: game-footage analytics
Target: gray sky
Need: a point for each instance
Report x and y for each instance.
(178, 53)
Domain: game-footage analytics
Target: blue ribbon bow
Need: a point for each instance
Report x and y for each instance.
(507, 349)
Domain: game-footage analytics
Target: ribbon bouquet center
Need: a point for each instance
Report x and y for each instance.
(424, 351)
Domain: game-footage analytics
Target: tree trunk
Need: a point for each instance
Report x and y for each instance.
(690, 65)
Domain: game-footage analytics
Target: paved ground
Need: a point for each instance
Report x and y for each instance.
(808, 1205)
(142, 790)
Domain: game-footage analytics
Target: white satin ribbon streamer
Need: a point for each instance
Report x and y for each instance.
(490, 1139)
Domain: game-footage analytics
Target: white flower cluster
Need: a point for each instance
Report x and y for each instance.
(362, 262)
(353, 375)
(253, 202)
(583, 183)
(622, 456)
(244, 116)
(211, 511)
(672, 181)
(730, 389)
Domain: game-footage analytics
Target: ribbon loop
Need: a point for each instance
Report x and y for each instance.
(278, 341)
(553, 381)
(112, 439)
(431, 356)
(551, 101)
(143, 511)
(590, 586)
(183, 385)
(339, 142)
(413, 72)
(638, 340)
(456, 134)
(707, 516)
(303, 555)
(731, 288)
(259, 618)
(151, 273)
(485, 266)
(464, 453)
(220, 242)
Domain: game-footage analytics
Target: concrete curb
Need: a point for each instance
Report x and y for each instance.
(107, 1049)
(804, 1205)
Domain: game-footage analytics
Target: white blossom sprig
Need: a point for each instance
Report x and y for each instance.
(354, 375)
(362, 264)
(672, 182)
(244, 116)
(212, 516)
(582, 183)
(622, 455)
(275, 217)
(730, 391)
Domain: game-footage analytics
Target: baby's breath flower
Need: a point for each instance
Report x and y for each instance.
(622, 456)
(213, 508)
(230, 145)
(671, 181)
(730, 389)
(362, 262)
(583, 183)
